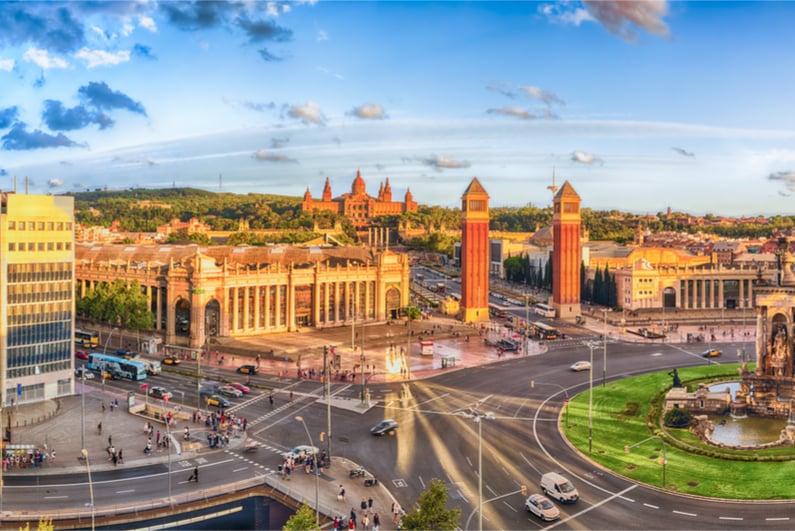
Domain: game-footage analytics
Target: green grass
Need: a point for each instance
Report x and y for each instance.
(621, 417)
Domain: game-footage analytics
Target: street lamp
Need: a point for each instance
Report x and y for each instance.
(478, 418)
(604, 343)
(591, 345)
(317, 470)
(107, 340)
(84, 452)
(664, 457)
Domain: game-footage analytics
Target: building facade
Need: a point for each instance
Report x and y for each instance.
(36, 295)
(357, 205)
(199, 292)
(475, 257)
(567, 252)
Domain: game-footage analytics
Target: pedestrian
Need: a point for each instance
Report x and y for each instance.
(121, 459)
(395, 511)
(376, 522)
(352, 519)
(365, 522)
(195, 475)
(99, 428)
(52, 455)
(270, 399)
(110, 440)
(370, 502)
(363, 505)
(341, 493)
(103, 407)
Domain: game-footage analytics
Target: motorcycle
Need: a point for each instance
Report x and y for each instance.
(356, 472)
(370, 482)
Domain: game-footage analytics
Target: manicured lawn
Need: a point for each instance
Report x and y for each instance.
(620, 416)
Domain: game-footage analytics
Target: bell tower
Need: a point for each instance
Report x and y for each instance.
(566, 252)
(475, 253)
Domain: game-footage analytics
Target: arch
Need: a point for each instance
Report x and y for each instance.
(182, 322)
(392, 303)
(212, 318)
(779, 344)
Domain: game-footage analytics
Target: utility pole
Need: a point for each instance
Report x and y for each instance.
(327, 381)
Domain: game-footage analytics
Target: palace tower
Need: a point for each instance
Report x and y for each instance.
(475, 253)
(566, 252)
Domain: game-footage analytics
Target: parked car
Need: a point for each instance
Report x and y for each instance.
(581, 366)
(248, 369)
(711, 353)
(171, 360)
(383, 427)
(540, 506)
(217, 401)
(240, 387)
(159, 392)
(228, 390)
(81, 354)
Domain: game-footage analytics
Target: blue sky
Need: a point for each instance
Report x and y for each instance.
(641, 105)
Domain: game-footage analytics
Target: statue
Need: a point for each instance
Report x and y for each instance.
(675, 374)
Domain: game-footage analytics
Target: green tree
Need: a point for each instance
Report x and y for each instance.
(677, 418)
(117, 304)
(302, 520)
(431, 511)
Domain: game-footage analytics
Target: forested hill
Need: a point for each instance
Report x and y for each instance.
(143, 210)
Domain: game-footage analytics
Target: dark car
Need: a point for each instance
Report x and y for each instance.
(159, 392)
(384, 427)
(248, 369)
(507, 345)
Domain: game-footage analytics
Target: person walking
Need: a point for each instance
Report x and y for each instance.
(363, 505)
(370, 502)
(352, 519)
(341, 493)
(121, 459)
(195, 475)
(365, 522)
(376, 522)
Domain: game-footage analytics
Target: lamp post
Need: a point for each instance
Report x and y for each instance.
(82, 410)
(327, 393)
(591, 345)
(526, 321)
(317, 470)
(84, 452)
(664, 457)
(478, 417)
(107, 340)
(604, 345)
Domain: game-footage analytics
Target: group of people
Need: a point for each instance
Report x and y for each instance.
(32, 457)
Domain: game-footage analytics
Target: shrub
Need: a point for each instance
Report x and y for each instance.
(677, 418)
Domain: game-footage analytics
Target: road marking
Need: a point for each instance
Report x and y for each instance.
(651, 506)
(730, 518)
(511, 507)
(778, 519)
(594, 506)
(125, 491)
(684, 513)
(240, 469)
(400, 483)
(55, 497)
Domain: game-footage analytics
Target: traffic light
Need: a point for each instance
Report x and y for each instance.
(524, 490)
(322, 436)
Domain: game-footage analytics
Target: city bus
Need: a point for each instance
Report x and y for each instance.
(544, 310)
(541, 330)
(116, 366)
(86, 338)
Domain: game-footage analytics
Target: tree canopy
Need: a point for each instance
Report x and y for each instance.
(431, 511)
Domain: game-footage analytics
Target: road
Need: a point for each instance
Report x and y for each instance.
(519, 400)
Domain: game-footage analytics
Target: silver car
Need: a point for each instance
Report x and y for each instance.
(540, 506)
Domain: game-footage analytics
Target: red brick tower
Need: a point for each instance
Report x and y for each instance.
(475, 253)
(566, 252)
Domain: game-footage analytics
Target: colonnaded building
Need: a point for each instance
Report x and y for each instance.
(199, 292)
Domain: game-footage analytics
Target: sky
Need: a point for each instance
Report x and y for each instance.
(640, 105)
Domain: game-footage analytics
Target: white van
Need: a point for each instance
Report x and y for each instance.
(558, 487)
(153, 367)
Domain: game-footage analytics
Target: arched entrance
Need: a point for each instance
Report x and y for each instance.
(393, 303)
(780, 359)
(182, 318)
(212, 317)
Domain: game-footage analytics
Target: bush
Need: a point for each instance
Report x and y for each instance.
(677, 418)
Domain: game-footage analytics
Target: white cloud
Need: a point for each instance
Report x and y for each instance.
(100, 32)
(439, 163)
(369, 111)
(96, 58)
(322, 35)
(307, 113)
(543, 95)
(585, 158)
(43, 60)
(148, 23)
(617, 16)
(566, 14)
(7, 64)
(55, 183)
(267, 156)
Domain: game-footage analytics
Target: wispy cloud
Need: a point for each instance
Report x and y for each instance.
(7, 116)
(787, 177)
(269, 156)
(440, 163)
(277, 143)
(368, 111)
(516, 112)
(59, 118)
(566, 13)
(143, 51)
(683, 152)
(321, 36)
(101, 96)
(543, 95)
(55, 183)
(95, 58)
(7, 64)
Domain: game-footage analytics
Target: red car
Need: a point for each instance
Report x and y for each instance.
(81, 354)
(240, 387)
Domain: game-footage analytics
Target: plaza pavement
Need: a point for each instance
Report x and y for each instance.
(50, 425)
